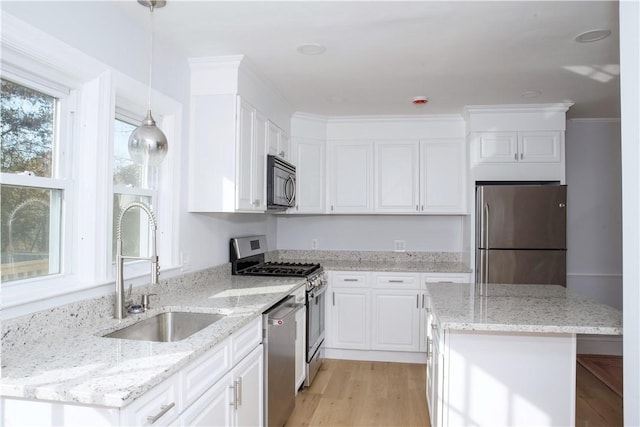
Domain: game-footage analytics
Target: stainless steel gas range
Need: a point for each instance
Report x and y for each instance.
(247, 256)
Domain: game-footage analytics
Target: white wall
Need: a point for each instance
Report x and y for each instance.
(103, 32)
(371, 232)
(594, 210)
(630, 102)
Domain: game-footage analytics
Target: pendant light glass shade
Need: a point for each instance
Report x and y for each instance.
(147, 144)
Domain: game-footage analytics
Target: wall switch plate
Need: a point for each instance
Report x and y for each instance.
(399, 245)
(314, 243)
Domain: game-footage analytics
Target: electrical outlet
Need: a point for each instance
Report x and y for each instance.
(185, 260)
(314, 243)
(399, 245)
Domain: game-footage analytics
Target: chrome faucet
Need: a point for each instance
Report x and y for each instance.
(119, 303)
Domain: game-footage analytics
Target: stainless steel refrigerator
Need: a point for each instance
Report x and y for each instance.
(521, 234)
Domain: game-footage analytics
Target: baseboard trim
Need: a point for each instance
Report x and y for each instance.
(376, 356)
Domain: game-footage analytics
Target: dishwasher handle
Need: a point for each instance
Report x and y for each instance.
(279, 315)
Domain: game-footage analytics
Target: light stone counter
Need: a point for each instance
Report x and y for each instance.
(521, 308)
(60, 354)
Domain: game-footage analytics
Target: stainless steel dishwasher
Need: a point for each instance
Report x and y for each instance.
(279, 330)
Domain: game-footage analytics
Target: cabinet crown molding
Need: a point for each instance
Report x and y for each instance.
(516, 108)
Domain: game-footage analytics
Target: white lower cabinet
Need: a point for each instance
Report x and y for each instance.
(350, 318)
(396, 315)
(223, 387)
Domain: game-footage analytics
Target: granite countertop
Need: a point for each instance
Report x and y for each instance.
(52, 359)
(521, 308)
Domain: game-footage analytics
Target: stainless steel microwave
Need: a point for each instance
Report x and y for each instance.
(281, 184)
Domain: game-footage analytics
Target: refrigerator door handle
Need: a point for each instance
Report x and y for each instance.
(486, 242)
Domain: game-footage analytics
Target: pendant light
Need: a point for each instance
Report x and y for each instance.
(147, 143)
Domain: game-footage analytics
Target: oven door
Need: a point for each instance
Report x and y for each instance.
(315, 319)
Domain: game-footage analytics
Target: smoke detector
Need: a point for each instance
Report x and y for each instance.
(420, 101)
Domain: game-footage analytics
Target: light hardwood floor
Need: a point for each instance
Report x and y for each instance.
(352, 393)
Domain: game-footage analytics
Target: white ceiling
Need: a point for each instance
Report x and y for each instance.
(379, 55)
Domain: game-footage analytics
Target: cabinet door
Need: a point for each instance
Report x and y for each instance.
(245, 149)
(396, 176)
(539, 147)
(351, 176)
(259, 164)
(350, 318)
(310, 176)
(284, 145)
(272, 139)
(248, 381)
(497, 147)
(214, 408)
(443, 179)
(396, 320)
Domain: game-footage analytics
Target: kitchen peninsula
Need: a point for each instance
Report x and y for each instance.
(508, 357)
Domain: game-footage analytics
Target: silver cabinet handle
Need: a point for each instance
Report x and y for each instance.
(418, 301)
(515, 156)
(422, 300)
(334, 298)
(396, 281)
(521, 156)
(163, 410)
(235, 396)
(350, 280)
(239, 391)
(417, 207)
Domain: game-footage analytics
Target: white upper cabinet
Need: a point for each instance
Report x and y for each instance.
(396, 177)
(510, 147)
(443, 176)
(310, 176)
(350, 177)
(539, 146)
(278, 142)
(233, 115)
(517, 142)
(250, 172)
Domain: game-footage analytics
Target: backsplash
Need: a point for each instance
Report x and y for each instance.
(365, 256)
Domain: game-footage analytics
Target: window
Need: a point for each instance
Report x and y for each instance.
(32, 193)
(131, 182)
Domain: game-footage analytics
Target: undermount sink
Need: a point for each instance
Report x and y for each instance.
(167, 327)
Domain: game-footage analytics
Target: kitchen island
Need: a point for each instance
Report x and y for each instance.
(508, 357)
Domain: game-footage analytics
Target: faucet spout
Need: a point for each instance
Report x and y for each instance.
(119, 303)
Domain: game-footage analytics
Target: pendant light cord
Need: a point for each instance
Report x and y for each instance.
(150, 55)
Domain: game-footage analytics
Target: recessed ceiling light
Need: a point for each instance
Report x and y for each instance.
(592, 36)
(311, 49)
(530, 94)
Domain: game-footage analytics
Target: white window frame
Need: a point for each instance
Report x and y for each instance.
(63, 144)
(135, 268)
(88, 183)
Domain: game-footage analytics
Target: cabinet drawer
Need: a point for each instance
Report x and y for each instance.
(446, 278)
(157, 407)
(349, 279)
(397, 280)
(202, 373)
(245, 340)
